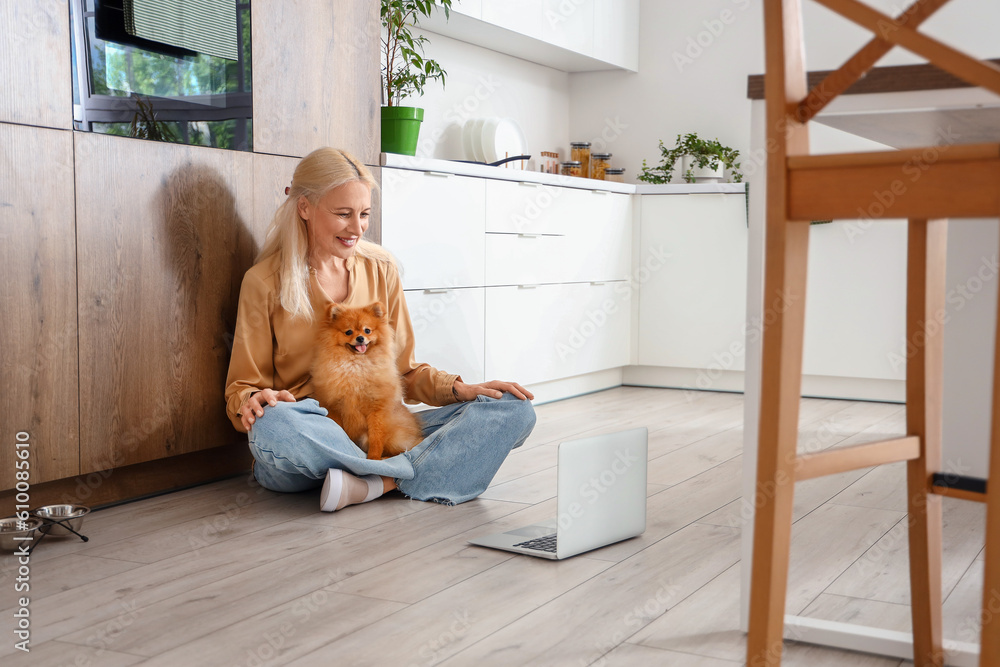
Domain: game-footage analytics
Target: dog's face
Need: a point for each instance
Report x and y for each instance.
(356, 328)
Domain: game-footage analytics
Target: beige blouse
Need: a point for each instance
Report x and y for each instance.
(270, 349)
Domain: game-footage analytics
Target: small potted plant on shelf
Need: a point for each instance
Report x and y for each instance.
(405, 71)
(703, 160)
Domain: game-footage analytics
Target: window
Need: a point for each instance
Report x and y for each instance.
(168, 70)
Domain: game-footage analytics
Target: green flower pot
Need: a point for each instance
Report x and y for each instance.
(400, 129)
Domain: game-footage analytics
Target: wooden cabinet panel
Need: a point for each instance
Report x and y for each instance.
(271, 175)
(38, 326)
(35, 65)
(164, 236)
(316, 77)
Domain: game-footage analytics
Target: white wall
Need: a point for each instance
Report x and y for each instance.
(483, 83)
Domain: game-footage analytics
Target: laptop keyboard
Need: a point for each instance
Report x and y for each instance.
(547, 543)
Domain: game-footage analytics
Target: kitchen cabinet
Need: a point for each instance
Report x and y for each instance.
(434, 224)
(448, 326)
(538, 290)
(569, 25)
(568, 35)
(616, 33)
(536, 333)
(38, 330)
(692, 281)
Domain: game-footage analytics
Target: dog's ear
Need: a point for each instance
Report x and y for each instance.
(332, 311)
(377, 309)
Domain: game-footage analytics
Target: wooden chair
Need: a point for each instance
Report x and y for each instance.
(963, 181)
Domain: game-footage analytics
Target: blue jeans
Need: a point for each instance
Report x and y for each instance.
(294, 444)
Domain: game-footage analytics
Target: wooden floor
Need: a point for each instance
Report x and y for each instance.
(231, 574)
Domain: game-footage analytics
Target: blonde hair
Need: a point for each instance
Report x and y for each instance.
(316, 174)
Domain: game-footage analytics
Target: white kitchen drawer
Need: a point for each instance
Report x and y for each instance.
(448, 328)
(434, 224)
(692, 273)
(529, 208)
(526, 259)
(556, 331)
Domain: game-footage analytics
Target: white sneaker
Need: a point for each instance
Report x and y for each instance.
(333, 489)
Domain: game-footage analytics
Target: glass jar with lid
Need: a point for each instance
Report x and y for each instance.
(572, 168)
(580, 152)
(615, 174)
(598, 164)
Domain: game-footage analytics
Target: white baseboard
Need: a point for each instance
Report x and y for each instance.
(557, 390)
(683, 378)
(814, 386)
(854, 389)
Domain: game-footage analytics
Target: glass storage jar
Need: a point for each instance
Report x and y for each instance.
(616, 174)
(581, 153)
(598, 164)
(572, 168)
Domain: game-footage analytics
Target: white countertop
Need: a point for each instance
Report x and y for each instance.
(396, 161)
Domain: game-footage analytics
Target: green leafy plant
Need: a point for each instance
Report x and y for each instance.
(704, 153)
(405, 71)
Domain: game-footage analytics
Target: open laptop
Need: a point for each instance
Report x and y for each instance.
(601, 499)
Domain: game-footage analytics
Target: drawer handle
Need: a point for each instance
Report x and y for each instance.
(440, 174)
(600, 192)
(598, 282)
(437, 291)
(527, 286)
(527, 184)
(528, 236)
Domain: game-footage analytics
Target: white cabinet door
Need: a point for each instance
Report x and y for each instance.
(616, 32)
(434, 224)
(565, 23)
(692, 281)
(600, 236)
(556, 331)
(448, 329)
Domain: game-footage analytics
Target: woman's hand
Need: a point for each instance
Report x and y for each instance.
(494, 389)
(254, 407)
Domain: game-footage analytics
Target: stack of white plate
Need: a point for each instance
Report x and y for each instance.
(492, 139)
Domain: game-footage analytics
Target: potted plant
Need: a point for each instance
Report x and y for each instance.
(405, 71)
(703, 160)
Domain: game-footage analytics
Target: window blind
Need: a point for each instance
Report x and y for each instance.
(206, 26)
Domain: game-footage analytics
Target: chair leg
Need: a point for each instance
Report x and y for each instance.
(925, 300)
(989, 650)
(781, 388)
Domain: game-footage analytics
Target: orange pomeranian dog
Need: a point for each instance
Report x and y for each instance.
(355, 378)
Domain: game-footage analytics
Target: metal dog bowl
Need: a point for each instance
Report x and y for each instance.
(57, 517)
(9, 530)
